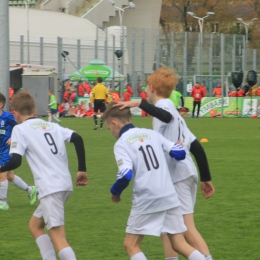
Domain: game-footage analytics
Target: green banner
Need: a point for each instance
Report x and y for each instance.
(212, 107)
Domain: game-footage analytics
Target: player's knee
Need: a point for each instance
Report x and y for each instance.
(127, 246)
(10, 175)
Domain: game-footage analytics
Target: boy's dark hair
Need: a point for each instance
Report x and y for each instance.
(23, 103)
(2, 99)
(99, 80)
(111, 112)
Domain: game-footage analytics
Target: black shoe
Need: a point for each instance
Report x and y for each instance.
(95, 128)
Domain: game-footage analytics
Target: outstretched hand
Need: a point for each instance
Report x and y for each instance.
(132, 103)
(81, 179)
(207, 189)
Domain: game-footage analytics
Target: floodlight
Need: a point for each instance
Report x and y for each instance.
(111, 2)
(131, 5)
(64, 54)
(237, 79)
(240, 19)
(119, 53)
(191, 13)
(210, 13)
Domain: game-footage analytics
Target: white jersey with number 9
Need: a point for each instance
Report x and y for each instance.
(43, 145)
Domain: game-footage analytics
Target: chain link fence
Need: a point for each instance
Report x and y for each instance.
(211, 57)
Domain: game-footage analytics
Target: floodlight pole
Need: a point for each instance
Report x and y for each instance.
(121, 12)
(201, 24)
(246, 28)
(27, 2)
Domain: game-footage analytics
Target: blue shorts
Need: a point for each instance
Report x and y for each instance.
(4, 158)
(54, 111)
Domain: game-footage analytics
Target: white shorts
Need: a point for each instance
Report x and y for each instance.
(51, 209)
(187, 191)
(168, 221)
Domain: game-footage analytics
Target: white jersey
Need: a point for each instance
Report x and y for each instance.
(176, 130)
(142, 151)
(43, 145)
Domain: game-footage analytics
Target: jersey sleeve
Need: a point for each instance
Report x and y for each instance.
(174, 150)
(18, 144)
(66, 133)
(125, 170)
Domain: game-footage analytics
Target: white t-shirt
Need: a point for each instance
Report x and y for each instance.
(142, 151)
(174, 131)
(43, 145)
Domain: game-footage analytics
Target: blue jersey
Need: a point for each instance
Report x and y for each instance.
(7, 122)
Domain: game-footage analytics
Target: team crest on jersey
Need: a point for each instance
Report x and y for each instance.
(2, 123)
(138, 137)
(43, 125)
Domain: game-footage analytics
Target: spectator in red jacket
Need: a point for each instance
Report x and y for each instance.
(81, 89)
(127, 95)
(204, 89)
(66, 96)
(143, 95)
(62, 110)
(197, 93)
(129, 90)
(217, 91)
(72, 95)
(87, 87)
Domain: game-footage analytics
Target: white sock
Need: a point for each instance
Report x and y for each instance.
(18, 182)
(3, 192)
(208, 257)
(57, 119)
(46, 247)
(67, 253)
(172, 258)
(49, 119)
(139, 256)
(196, 255)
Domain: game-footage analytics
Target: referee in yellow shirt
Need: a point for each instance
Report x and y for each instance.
(99, 94)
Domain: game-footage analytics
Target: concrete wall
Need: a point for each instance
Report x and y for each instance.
(145, 15)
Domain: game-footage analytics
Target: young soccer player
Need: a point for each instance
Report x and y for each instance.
(140, 155)
(43, 145)
(7, 123)
(53, 107)
(172, 126)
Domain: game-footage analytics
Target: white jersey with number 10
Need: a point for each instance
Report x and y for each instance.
(174, 131)
(142, 151)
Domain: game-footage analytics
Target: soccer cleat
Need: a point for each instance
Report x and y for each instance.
(32, 195)
(95, 128)
(4, 206)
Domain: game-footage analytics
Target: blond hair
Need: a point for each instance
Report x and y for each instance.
(113, 112)
(23, 103)
(164, 81)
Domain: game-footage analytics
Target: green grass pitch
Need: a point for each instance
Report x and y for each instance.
(95, 226)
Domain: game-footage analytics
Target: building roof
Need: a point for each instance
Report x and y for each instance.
(44, 23)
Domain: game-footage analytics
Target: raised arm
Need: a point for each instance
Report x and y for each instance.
(154, 111)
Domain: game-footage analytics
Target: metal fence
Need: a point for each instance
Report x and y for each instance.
(145, 50)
